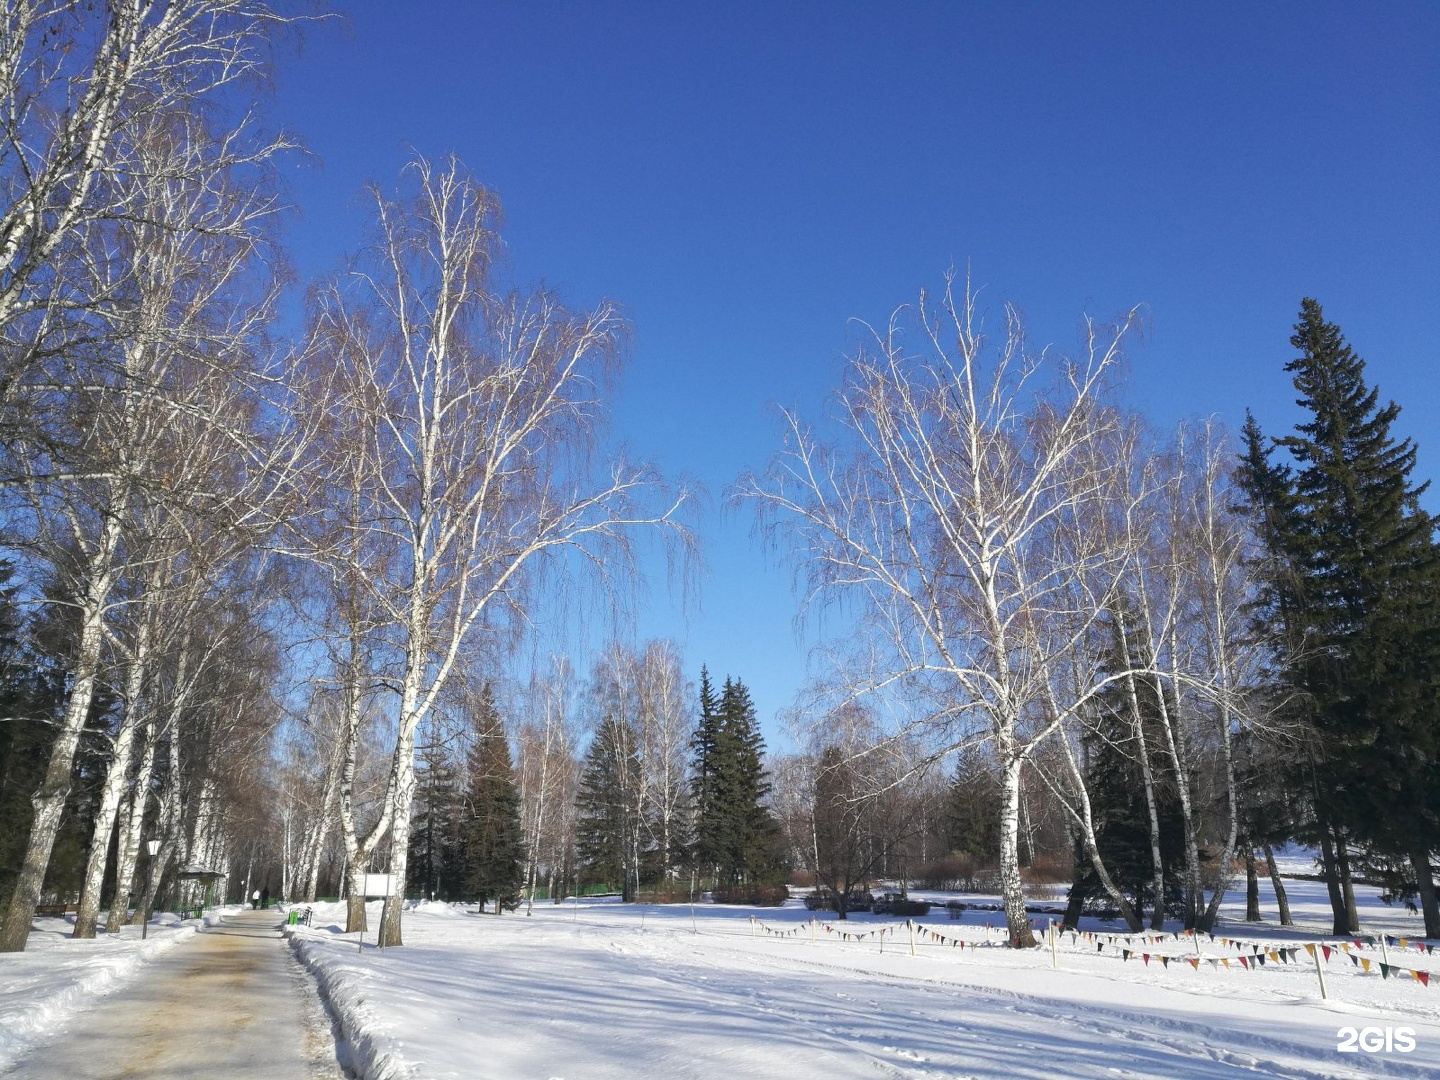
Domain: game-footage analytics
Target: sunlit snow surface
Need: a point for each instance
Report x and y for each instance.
(603, 990)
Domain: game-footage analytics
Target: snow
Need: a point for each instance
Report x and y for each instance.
(600, 990)
(56, 975)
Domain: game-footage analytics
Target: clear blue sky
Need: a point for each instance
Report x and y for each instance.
(745, 179)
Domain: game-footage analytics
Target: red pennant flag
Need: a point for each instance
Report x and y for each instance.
(1423, 978)
(1326, 950)
(1146, 958)
(1245, 962)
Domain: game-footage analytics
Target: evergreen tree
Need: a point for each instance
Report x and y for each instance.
(1360, 595)
(432, 832)
(737, 839)
(608, 828)
(705, 756)
(974, 809)
(494, 839)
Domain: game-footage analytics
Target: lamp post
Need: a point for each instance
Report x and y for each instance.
(153, 847)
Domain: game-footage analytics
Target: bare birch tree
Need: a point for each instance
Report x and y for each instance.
(479, 410)
(938, 516)
(78, 80)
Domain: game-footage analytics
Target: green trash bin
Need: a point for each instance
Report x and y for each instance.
(294, 918)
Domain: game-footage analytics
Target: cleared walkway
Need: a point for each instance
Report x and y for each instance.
(234, 1004)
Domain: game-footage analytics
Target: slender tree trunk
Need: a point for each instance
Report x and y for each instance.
(1012, 889)
(1425, 882)
(390, 934)
(1282, 900)
(116, 776)
(1252, 887)
(1347, 885)
(1227, 755)
(1331, 867)
(132, 826)
(49, 801)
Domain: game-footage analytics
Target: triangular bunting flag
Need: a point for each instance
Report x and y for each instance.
(1194, 962)
(1326, 950)
(1165, 960)
(1365, 964)
(1146, 958)
(1245, 963)
(1310, 949)
(1384, 971)
(1423, 978)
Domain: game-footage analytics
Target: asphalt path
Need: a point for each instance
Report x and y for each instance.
(234, 1004)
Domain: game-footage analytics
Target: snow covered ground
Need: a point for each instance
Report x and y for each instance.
(600, 990)
(56, 975)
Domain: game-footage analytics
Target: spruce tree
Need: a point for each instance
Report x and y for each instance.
(495, 843)
(973, 827)
(705, 757)
(608, 826)
(737, 839)
(431, 830)
(1362, 596)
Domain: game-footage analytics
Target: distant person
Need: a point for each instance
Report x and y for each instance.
(265, 898)
(255, 900)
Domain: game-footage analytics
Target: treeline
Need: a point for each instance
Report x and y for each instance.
(631, 783)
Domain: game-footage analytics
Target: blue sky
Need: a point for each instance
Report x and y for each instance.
(747, 179)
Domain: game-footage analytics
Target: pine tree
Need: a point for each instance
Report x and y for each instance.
(495, 842)
(608, 829)
(1356, 567)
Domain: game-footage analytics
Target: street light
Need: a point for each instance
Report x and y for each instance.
(153, 847)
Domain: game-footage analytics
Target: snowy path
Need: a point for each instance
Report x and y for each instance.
(612, 995)
(230, 1005)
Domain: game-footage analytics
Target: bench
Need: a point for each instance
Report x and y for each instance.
(54, 911)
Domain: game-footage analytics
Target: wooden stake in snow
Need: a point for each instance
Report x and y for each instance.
(911, 925)
(1384, 952)
(1195, 937)
(1314, 951)
(1054, 946)
(812, 929)
(752, 925)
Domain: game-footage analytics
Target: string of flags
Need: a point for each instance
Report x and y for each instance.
(1257, 955)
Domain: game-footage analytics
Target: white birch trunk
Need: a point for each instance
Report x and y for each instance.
(116, 777)
(49, 801)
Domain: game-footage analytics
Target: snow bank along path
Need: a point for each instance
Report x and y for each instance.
(599, 991)
(231, 1005)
